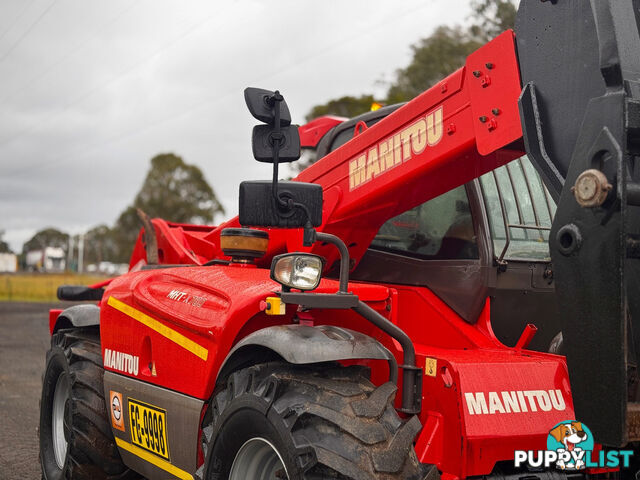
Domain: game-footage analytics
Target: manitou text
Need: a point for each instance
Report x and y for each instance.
(398, 148)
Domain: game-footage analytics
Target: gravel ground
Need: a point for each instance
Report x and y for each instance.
(24, 341)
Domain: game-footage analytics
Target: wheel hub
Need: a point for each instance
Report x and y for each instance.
(60, 395)
(258, 459)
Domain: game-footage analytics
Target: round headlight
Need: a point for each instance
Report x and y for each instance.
(297, 270)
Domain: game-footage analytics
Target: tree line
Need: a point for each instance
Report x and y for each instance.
(172, 189)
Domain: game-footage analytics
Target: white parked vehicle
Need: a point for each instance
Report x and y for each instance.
(49, 259)
(8, 262)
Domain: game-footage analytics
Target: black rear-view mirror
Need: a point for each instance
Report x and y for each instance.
(259, 207)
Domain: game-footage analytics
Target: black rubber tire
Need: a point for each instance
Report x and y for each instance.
(91, 450)
(325, 421)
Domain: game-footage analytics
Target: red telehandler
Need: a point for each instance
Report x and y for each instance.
(244, 351)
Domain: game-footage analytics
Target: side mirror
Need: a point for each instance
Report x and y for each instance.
(278, 140)
(262, 142)
(277, 204)
(259, 207)
(262, 104)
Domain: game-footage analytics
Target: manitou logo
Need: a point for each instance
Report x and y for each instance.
(121, 361)
(180, 296)
(176, 295)
(518, 401)
(398, 148)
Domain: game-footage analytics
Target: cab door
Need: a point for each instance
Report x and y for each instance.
(518, 211)
(488, 238)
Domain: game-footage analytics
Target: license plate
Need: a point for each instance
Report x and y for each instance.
(149, 427)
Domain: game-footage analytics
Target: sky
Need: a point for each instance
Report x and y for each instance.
(91, 90)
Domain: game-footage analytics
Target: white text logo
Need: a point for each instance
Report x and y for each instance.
(515, 401)
(121, 361)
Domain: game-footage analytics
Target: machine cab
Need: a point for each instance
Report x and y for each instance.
(486, 238)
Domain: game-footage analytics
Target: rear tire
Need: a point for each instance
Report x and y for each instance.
(76, 441)
(320, 422)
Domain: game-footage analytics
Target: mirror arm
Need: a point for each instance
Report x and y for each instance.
(276, 196)
(276, 138)
(344, 258)
(309, 236)
(411, 374)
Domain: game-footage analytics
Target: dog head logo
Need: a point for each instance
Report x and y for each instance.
(573, 441)
(569, 434)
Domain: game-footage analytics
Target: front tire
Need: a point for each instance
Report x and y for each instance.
(76, 441)
(299, 422)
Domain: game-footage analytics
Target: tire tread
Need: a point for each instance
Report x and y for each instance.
(91, 453)
(342, 425)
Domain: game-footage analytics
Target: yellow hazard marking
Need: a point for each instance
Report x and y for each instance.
(151, 458)
(275, 306)
(431, 367)
(162, 329)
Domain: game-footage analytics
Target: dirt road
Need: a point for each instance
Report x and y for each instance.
(24, 340)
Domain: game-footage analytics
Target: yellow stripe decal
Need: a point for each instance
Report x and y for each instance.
(161, 328)
(151, 458)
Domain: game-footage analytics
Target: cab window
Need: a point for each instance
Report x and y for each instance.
(439, 229)
(520, 211)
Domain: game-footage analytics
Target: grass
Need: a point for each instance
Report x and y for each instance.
(40, 287)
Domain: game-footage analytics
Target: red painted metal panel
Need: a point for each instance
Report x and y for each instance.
(311, 133)
(470, 360)
(53, 318)
(213, 324)
(494, 85)
(207, 305)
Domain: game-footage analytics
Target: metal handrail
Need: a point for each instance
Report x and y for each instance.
(507, 233)
(529, 227)
(533, 203)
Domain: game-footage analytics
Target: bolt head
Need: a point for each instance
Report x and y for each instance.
(591, 188)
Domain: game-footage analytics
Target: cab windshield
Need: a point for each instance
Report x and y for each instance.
(519, 209)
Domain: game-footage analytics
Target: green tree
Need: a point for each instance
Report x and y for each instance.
(100, 245)
(49, 237)
(434, 58)
(343, 107)
(447, 48)
(172, 190)
(177, 192)
(4, 246)
(492, 17)
(125, 232)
